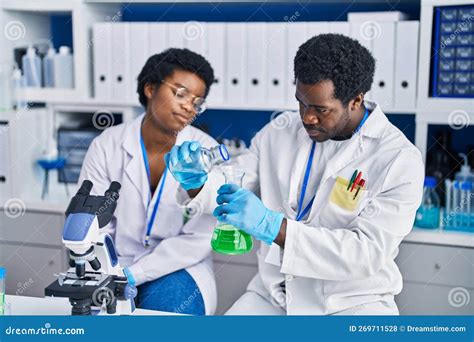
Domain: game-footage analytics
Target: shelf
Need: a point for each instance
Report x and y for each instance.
(39, 6)
(454, 116)
(48, 95)
(441, 237)
(70, 97)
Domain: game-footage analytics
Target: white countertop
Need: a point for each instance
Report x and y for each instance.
(441, 237)
(53, 306)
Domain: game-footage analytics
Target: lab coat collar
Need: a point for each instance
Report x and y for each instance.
(376, 123)
(134, 167)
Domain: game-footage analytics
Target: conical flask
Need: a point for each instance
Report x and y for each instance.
(228, 239)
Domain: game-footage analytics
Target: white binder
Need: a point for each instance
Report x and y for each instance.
(276, 64)
(256, 63)
(139, 54)
(314, 28)
(383, 51)
(158, 38)
(296, 36)
(176, 35)
(406, 64)
(120, 61)
(215, 35)
(340, 27)
(101, 55)
(235, 63)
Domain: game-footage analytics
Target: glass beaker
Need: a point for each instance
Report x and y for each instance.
(228, 239)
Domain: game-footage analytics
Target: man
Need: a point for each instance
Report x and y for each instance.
(331, 195)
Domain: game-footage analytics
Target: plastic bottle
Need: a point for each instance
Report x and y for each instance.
(427, 216)
(202, 163)
(18, 82)
(63, 68)
(32, 68)
(465, 175)
(466, 205)
(48, 68)
(5, 86)
(3, 273)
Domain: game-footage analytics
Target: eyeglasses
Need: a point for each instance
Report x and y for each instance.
(183, 95)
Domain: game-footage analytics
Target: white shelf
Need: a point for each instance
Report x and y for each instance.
(441, 237)
(42, 206)
(39, 6)
(48, 95)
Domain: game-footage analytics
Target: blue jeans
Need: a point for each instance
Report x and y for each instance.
(175, 292)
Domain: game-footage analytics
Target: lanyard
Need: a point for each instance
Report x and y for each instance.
(300, 213)
(160, 191)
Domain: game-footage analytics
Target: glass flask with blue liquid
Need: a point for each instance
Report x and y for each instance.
(200, 162)
(427, 216)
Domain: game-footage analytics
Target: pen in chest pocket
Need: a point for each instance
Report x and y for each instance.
(359, 186)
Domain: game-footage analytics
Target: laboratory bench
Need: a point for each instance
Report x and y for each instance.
(52, 306)
(437, 266)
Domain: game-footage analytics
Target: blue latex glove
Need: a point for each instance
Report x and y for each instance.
(182, 154)
(243, 209)
(130, 277)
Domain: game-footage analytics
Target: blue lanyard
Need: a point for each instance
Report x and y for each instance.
(366, 115)
(300, 213)
(160, 191)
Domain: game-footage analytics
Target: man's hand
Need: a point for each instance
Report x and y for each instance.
(243, 209)
(188, 152)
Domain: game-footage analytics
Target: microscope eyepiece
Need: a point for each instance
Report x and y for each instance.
(113, 190)
(85, 188)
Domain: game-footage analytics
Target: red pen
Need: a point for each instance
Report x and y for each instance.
(360, 185)
(356, 181)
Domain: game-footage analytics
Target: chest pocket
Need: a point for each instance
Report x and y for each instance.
(342, 205)
(345, 199)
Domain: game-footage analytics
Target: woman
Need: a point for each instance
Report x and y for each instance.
(166, 252)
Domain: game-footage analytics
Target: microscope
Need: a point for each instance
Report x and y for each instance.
(94, 278)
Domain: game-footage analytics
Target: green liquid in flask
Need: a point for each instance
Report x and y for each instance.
(2, 304)
(230, 240)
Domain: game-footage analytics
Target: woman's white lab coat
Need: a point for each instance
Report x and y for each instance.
(116, 155)
(342, 255)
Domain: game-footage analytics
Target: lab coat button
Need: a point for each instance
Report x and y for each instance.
(289, 277)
